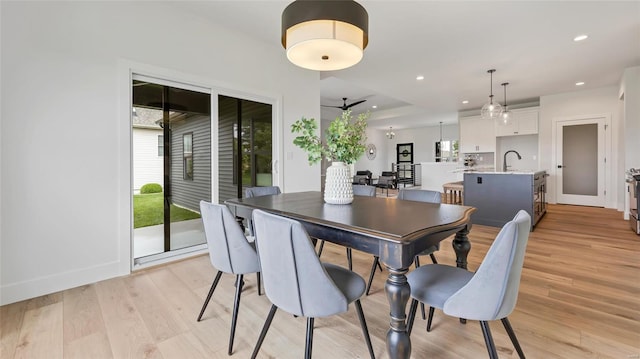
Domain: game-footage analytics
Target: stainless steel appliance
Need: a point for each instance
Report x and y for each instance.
(634, 198)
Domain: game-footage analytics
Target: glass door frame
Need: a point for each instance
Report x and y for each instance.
(609, 191)
(124, 209)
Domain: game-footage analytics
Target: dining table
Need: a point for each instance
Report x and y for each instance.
(394, 230)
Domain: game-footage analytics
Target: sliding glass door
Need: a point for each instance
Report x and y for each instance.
(245, 139)
(171, 130)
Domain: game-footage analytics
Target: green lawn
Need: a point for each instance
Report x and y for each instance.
(148, 211)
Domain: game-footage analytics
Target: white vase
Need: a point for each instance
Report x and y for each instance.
(338, 184)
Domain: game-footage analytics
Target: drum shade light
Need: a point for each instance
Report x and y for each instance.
(325, 35)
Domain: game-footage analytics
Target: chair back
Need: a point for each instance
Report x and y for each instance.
(229, 249)
(493, 291)
(363, 190)
(420, 195)
(386, 179)
(293, 276)
(250, 192)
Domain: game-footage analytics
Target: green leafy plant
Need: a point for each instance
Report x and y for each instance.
(345, 138)
(150, 188)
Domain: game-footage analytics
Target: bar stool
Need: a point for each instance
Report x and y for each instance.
(453, 192)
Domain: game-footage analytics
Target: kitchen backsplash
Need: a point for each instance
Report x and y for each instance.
(482, 161)
(527, 147)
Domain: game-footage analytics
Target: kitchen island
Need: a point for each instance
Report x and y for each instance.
(498, 196)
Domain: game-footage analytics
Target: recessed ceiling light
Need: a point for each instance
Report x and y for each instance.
(420, 77)
(579, 83)
(580, 38)
(374, 106)
(465, 102)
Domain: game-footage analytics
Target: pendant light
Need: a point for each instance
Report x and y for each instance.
(390, 133)
(325, 35)
(491, 110)
(506, 117)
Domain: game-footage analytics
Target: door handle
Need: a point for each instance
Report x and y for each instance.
(560, 166)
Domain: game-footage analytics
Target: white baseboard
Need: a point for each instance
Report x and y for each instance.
(16, 292)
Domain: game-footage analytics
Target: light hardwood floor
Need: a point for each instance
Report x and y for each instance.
(579, 298)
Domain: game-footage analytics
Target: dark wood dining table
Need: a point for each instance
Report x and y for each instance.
(394, 230)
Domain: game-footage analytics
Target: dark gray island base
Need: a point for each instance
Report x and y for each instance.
(498, 196)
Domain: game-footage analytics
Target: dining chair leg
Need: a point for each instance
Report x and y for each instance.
(430, 319)
(213, 287)
(365, 330)
(236, 307)
(512, 336)
(412, 315)
(488, 339)
(263, 333)
(308, 345)
(373, 272)
(321, 248)
(349, 259)
(259, 283)
(433, 258)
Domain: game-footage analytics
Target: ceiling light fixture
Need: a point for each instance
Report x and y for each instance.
(580, 38)
(579, 83)
(491, 110)
(506, 117)
(465, 102)
(390, 133)
(374, 106)
(420, 78)
(325, 35)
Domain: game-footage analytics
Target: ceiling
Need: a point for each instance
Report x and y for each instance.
(453, 44)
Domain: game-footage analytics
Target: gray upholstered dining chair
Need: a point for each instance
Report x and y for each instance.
(297, 282)
(358, 190)
(261, 191)
(250, 192)
(418, 196)
(364, 190)
(229, 252)
(488, 294)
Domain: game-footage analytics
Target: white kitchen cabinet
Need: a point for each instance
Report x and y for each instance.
(525, 122)
(477, 135)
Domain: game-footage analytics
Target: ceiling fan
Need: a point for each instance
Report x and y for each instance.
(344, 106)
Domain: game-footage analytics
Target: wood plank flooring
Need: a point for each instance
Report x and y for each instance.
(579, 298)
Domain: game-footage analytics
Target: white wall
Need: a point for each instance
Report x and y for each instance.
(599, 101)
(65, 176)
(630, 91)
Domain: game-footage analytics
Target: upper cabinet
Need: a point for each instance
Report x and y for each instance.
(525, 122)
(477, 135)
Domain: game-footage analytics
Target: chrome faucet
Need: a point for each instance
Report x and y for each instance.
(504, 163)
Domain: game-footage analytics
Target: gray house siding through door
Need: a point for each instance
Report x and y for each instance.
(188, 193)
(227, 119)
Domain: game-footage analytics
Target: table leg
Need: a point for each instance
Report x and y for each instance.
(398, 293)
(462, 246)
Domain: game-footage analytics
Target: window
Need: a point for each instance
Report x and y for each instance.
(446, 151)
(187, 155)
(160, 145)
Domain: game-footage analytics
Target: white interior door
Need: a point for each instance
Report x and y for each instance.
(580, 162)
